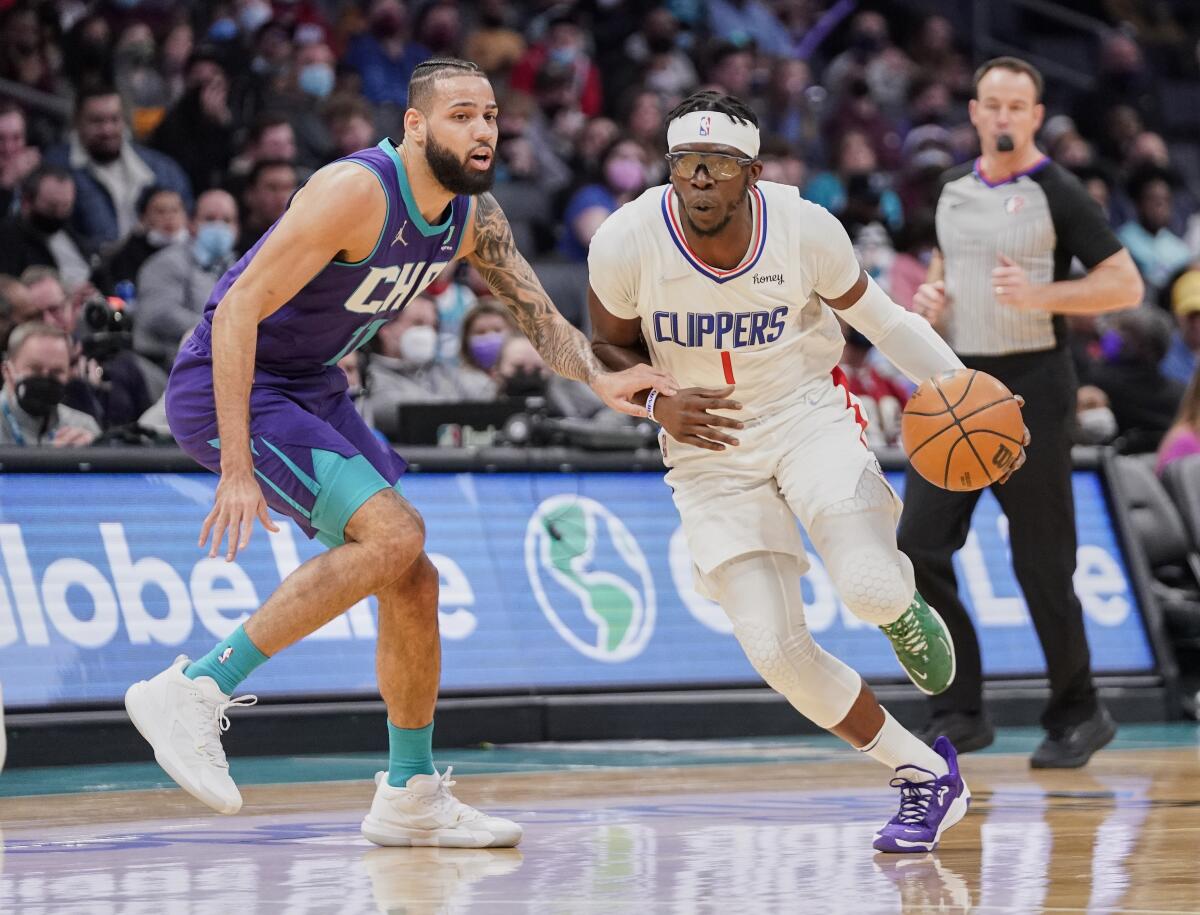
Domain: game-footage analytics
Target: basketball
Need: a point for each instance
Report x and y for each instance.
(962, 430)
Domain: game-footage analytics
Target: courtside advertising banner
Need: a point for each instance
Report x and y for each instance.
(548, 582)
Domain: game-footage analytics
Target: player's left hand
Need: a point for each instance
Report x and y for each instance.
(616, 388)
(1011, 285)
(1020, 459)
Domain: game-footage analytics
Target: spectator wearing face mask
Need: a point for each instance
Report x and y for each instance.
(383, 56)
(162, 221)
(1157, 251)
(174, 284)
(1143, 400)
(563, 50)
(622, 178)
(37, 365)
(1095, 423)
(404, 367)
(300, 100)
(484, 330)
(855, 160)
(41, 234)
(17, 158)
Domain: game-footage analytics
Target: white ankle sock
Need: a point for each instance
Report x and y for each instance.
(896, 747)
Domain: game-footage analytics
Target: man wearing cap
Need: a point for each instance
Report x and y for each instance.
(732, 283)
(1008, 226)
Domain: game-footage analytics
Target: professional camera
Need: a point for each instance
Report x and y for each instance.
(105, 327)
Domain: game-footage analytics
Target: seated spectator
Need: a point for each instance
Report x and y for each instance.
(37, 366)
(484, 330)
(162, 221)
(786, 111)
(17, 158)
(1183, 438)
(383, 56)
(1143, 400)
(47, 301)
(1184, 354)
(351, 126)
(197, 132)
(563, 50)
(743, 21)
(404, 369)
(623, 177)
(310, 82)
(1157, 251)
(14, 301)
(271, 185)
(174, 284)
(271, 139)
(141, 85)
(108, 383)
(654, 50)
(1095, 423)
(110, 171)
(494, 44)
(521, 372)
(41, 235)
(855, 158)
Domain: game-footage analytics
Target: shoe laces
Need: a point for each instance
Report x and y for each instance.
(217, 723)
(446, 802)
(908, 633)
(914, 800)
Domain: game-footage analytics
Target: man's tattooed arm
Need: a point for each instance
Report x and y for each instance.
(510, 277)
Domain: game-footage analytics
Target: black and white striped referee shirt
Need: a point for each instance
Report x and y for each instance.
(1041, 218)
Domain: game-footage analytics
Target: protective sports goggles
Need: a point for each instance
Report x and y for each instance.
(720, 166)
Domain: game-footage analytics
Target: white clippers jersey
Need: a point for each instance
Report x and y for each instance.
(759, 326)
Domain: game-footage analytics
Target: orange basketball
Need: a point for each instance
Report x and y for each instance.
(962, 429)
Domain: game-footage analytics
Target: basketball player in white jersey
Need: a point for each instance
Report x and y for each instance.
(730, 284)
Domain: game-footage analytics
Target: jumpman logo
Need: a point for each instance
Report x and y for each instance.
(400, 235)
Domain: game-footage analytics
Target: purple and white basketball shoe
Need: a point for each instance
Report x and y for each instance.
(928, 805)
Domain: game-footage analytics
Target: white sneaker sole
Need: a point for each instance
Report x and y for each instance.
(142, 713)
(399, 836)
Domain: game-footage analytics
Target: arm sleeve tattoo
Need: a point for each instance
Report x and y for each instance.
(510, 277)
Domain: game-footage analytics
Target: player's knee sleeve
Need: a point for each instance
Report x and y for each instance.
(761, 594)
(857, 542)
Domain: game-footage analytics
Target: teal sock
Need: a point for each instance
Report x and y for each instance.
(230, 662)
(410, 752)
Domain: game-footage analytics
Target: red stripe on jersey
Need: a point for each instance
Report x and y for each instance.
(727, 365)
(839, 380)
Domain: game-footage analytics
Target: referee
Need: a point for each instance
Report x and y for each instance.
(1008, 226)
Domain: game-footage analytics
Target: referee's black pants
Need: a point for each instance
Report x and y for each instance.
(1040, 508)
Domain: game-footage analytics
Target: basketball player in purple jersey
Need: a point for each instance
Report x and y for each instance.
(256, 396)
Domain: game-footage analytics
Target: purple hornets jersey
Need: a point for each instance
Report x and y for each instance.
(343, 306)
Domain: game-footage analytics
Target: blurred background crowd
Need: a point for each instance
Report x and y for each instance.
(146, 144)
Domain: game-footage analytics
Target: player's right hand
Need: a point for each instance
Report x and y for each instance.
(687, 419)
(929, 301)
(238, 502)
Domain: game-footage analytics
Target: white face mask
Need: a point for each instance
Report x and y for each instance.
(1097, 425)
(419, 345)
(160, 239)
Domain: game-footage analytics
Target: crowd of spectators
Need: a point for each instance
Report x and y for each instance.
(146, 144)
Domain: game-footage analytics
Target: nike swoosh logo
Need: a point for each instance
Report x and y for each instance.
(919, 675)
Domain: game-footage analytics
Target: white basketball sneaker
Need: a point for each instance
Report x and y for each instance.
(183, 720)
(424, 812)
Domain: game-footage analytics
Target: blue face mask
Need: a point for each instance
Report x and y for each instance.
(316, 80)
(214, 242)
(254, 16)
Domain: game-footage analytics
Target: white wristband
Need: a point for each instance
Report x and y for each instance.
(650, 398)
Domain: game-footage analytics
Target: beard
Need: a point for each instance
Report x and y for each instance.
(454, 174)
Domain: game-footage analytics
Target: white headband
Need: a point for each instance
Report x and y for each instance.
(713, 127)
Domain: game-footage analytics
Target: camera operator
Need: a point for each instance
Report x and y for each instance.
(37, 367)
(108, 382)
